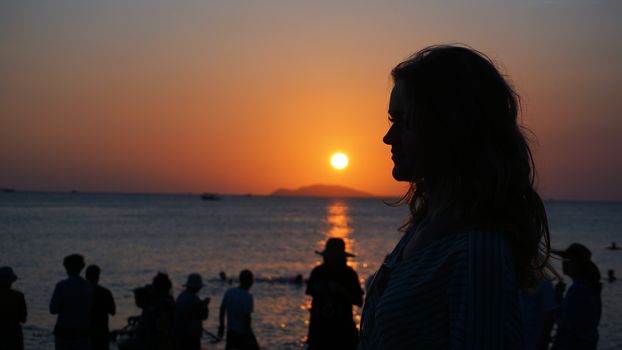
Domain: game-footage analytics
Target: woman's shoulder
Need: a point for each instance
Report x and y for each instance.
(469, 239)
(473, 243)
(458, 245)
(475, 238)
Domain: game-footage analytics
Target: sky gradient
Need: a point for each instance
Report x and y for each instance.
(247, 97)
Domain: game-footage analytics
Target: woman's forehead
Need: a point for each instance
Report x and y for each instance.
(396, 102)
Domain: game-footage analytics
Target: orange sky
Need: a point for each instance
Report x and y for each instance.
(232, 97)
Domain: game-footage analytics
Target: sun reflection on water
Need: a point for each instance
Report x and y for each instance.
(338, 222)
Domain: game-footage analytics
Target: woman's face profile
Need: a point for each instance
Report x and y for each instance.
(400, 137)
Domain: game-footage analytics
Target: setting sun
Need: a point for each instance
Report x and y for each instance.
(339, 160)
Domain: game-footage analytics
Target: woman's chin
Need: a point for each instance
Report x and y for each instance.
(401, 175)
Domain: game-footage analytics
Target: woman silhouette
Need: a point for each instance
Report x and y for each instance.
(477, 229)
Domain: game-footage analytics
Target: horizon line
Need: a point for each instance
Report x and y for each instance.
(9, 190)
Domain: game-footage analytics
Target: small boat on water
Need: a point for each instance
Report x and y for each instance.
(210, 197)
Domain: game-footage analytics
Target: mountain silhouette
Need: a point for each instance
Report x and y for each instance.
(320, 191)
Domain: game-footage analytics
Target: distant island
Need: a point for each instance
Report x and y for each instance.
(321, 191)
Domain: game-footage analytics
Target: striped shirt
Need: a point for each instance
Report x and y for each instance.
(459, 292)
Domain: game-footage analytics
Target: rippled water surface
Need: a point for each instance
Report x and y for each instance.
(131, 237)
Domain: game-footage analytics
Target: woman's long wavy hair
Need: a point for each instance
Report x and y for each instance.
(471, 153)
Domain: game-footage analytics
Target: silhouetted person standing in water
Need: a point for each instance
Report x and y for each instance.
(12, 312)
(103, 305)
(237, 305)
(144, 337)
(164, 310)
(71, 301)
(190, 312)
(581, 308)
(611, 276)
(335, 287)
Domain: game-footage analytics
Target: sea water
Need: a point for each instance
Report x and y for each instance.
(132, 237)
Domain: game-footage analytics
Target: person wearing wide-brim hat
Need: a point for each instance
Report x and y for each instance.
(190, 312)
(335, 287)
(12, 311)
(335, 247)
(581, 308)
(7, 276)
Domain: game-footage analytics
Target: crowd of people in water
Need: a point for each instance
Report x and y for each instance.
(83, 307)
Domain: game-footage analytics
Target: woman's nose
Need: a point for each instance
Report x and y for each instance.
(388, 137)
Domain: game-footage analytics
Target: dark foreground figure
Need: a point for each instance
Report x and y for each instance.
(581, 307)
(334, 287)
(190, 312)
(477, 229)
(538, 309)
(71, 301)
(163, 311)
(12, 312)
(237, 306)
(144, 335)
(103, 305)
(611, 276)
